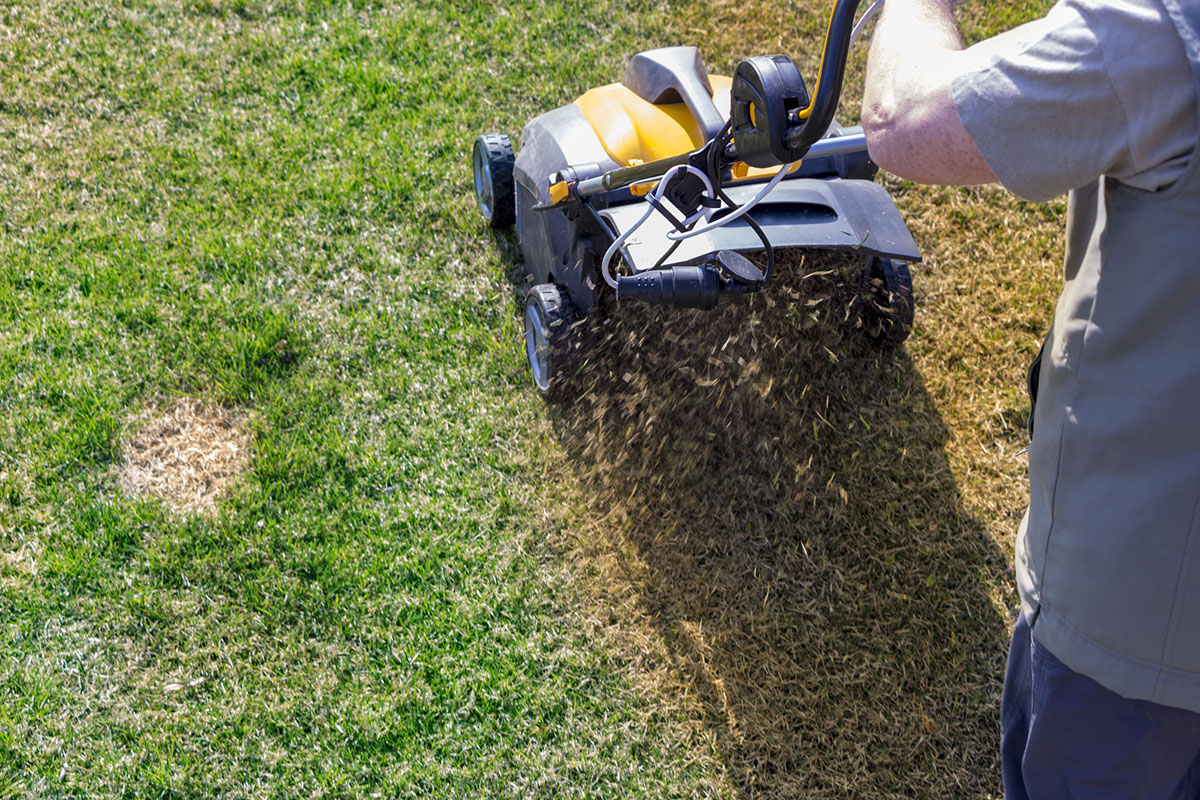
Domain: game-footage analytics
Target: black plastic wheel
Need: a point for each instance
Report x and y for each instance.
(492, 162)
(552, 340)
(886, 300)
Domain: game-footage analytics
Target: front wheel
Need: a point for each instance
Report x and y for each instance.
(552, 340)
(885, 300)
(492, 163)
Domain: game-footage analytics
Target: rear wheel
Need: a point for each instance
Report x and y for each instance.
(492, 162)
(552, 340)
(885, 300)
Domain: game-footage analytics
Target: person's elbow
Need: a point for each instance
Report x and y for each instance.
(888, 139)
(919, 136)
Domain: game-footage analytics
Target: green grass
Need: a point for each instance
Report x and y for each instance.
(428, 584)
(267, 204)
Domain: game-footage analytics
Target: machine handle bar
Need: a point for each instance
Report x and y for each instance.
(804, 137)
(819, 114)
(851, 141)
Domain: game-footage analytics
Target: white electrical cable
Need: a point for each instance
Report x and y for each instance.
(676, 236)
(657, 193)
(612, 248)
(862, 22)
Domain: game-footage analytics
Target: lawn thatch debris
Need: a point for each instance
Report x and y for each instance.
(771, 503)
(803, 540)
(186, 455)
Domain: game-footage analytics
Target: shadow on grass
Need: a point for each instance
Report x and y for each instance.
(775, 496)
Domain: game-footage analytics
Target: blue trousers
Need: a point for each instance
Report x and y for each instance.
(1065, 736)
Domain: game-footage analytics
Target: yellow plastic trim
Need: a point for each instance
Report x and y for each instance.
(559, 192)
(805, 113)
(633, 130)
(640, 189)
(743, 171)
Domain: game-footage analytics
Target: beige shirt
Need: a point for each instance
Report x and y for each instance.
(1091, 89)
(1100, 98)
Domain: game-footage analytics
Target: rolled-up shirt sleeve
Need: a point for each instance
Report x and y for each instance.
(1094, 88)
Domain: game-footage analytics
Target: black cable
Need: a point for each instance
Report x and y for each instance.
(715, 148)
(670, 250)
(719, 143)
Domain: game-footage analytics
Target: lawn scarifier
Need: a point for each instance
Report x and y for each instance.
(657, 153)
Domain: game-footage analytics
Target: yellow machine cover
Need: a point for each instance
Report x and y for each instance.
(634, 131)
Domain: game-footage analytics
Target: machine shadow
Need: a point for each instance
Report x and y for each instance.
(774, 494)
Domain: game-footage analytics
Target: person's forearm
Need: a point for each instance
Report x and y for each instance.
(908, 109)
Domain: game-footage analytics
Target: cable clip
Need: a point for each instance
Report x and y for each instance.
(661, 208)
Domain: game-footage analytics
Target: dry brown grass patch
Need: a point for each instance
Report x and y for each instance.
(186, 456)
(15, 564)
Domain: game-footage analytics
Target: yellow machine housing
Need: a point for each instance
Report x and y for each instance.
(634, 131)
